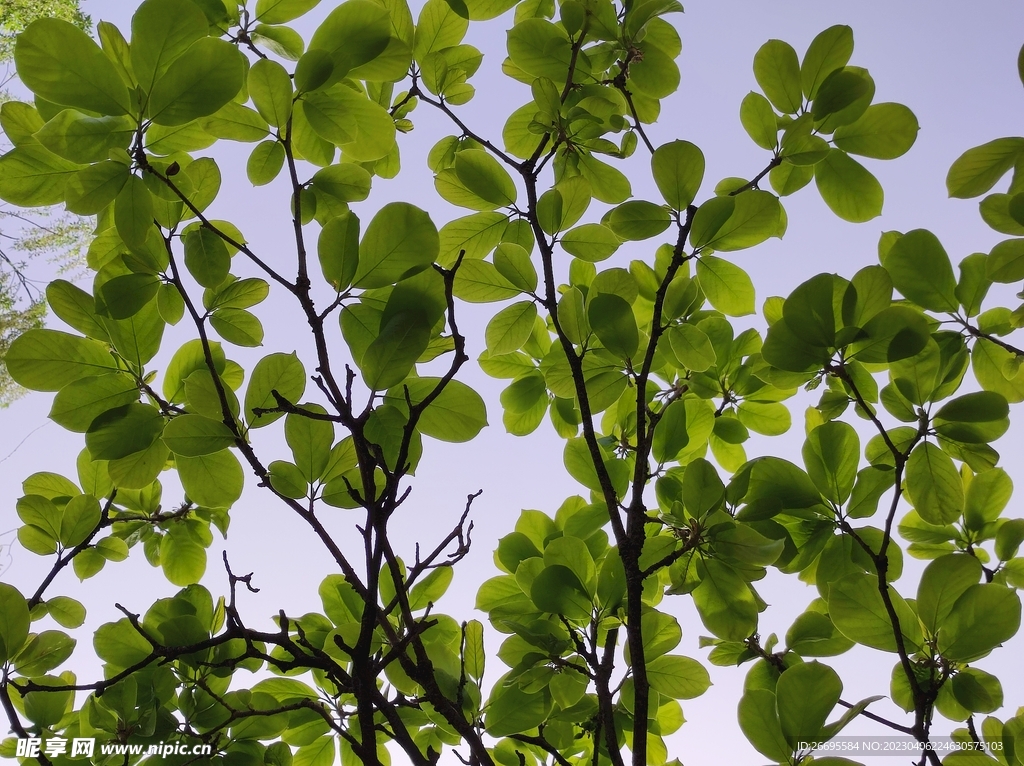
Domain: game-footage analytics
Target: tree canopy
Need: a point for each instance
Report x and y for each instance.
(42, 234)
(617, 319)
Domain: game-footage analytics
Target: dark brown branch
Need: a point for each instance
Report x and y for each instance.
(753, 182)
(878, 719)
(63, 561)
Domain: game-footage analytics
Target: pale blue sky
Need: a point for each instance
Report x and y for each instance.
(954, 66)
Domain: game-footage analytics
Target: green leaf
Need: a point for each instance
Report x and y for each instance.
(347, 182)
(237, 326)
(79, 138)
(580, 465)
(80, 518)
(133, 213)
(198, 83)
(804, 696)
(162, 30)
(977, 170)
(760, 724)
(284, 41)
(777, 71)
(19, 122)
(431, 588)
(728, 287)
(44, 652)
(212, 481)
(182, 558)
(829, 50)
(944, 580)
(511, 711)
(329, 118)
(678, 169)
(883, 132)
(638, 220)
(124, 431)
(126, 295)
(767, 418)
(702, 487)
(90, 190)
(353, 34)
(1005, 263)
(724, 602)
(392, 354)
(840, 91)
(338, 249)
(976, 418)
(287, 479)
(921, 270)
(14, 621)
(513, 262)
(511, 327)
(67, 612)
(934, 485)
(608, 184)
(813, 635)
(438, 27)
(831, 454)
(456, 414)
(265, 162)
(759, 120)
(271, 90)
(194, 435)
(680, 678)
(475, 234)
(755, 217)
(612, 320)
(540, 49)
(710, 218)
(856, 607)
(572, 316)
(692, 347)
(281, 11)
(670, 434)
(895, 333)
(80, 402)
(978, 691)
(981, 619)
(283, 373)
(400, 241)
(47, 360)
(850, 191)
(485, 177)
(987, 496)
(206, 257)
(61, 63)
(120, 645)
(310, 441)
(872, 483)
(559, 591)
(33, 176)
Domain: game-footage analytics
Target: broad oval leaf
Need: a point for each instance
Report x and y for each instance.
(850, 191)
(193, 435)
(678, 169)
(934, 485)
(400, 241)
(61, 63)
(202, 80)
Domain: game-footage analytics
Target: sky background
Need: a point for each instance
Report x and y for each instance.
(953, 66)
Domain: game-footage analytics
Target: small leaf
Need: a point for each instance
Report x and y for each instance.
(850, 191)
(934, 485)
(678, 169)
